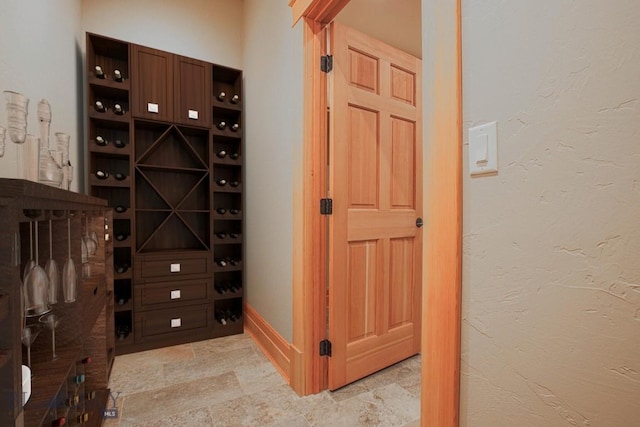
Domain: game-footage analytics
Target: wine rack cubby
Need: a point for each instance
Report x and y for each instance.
(179, 168)
(42, 223)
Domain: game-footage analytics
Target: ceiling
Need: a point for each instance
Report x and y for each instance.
(396, 22)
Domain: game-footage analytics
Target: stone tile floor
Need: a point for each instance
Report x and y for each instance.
(229, 382)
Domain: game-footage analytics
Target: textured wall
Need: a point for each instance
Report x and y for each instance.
(40, 58)
(273, 135)
(551, 278)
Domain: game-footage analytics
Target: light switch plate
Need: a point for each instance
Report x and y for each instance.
(152, 108)
(193, 114)
(483, 149)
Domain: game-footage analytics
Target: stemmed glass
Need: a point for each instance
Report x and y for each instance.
(31, 263)
(36, 286)
(69, 275)
(51, 321)
(29, 336)
(51, 268)
(92, 244)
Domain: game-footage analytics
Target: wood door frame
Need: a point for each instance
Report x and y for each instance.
(442, 207)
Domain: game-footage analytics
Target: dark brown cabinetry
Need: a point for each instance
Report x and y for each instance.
(74, 385)
(179, 272)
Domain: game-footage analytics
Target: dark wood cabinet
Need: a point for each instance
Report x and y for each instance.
(192, 91)
(178, 266)
(73, 385)
(153, 81)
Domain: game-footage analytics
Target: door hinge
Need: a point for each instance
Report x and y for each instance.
(326, 63)
(326, 206)
(325, 348)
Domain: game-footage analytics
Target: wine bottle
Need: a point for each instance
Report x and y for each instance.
(221, 262)
(122, 268)
(221, 182)
(221, 125)
(83, 418)
(233, 316)
(72, 401)
(234, 211)
(234, 261)
(121, 209)
(234, 99)
(117, 76)
(234, 156)
(99, 72)
(221, 289)
(221, 235)
(122, 237)
(234, 235)
(235, 127)
(221, 96)
(102, 174)
(120, 176)
(221, 154)
(59, 422)
(101, 141)
(119, 143)
(234, 288)
(221, 211)
(100, 107)
(118, 109)
(234, 183)
(221, 317)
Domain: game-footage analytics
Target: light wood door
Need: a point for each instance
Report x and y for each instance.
(376, 185)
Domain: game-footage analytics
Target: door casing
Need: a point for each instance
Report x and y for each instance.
(442, 206)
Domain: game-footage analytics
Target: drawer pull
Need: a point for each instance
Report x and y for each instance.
(152, 108)
(176, 323)
(193, 114)
(175, 294)
(175, 268)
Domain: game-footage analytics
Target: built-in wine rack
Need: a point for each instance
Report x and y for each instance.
(169, 161)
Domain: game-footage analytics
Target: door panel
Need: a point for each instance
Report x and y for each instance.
(376, 186)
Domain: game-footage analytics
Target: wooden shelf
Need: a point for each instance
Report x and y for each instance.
(111, 150)
(226, 105)
(109, 116)
(109, 83)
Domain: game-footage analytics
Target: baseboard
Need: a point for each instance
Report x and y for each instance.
(276, 348)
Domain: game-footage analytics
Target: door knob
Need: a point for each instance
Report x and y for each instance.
(419, 222)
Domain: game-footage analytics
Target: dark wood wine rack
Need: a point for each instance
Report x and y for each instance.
(86, 329)
(169, 288)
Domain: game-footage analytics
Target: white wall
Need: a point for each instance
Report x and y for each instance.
(40, 57)
(210, 30)
(551, 278)
(273, 111)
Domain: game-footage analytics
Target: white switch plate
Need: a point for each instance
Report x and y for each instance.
(175, 268)
(175, 294)
(176, 323)
(483, 149)
(152, 108)
(193, 114)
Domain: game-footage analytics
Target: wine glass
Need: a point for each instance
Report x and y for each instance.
(51, 322)
(51, 268)
(36, 287)
(92, 245)
(31, 263)
(69, 275)
(29, 335)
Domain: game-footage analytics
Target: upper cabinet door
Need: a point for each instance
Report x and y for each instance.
(192, 91)
(152, 87)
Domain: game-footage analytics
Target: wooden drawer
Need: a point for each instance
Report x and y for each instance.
(169, 294)
(158, 324)
(176, 266)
